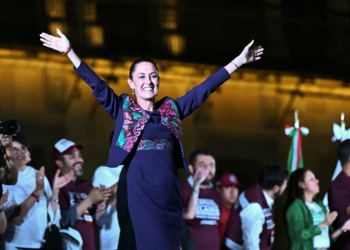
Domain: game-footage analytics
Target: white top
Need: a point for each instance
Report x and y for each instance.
(321, 240)
(109, 234)
(30, 233)
(253, 219)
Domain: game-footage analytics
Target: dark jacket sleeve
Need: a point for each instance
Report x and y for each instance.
(69, 216)
(68, 212)
(199, 94)
(102, 92)
(102, 221)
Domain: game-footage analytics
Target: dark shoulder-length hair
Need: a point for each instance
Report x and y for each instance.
(22, 139)
(294, 190)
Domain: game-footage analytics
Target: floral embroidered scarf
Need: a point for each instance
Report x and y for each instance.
(135, 120)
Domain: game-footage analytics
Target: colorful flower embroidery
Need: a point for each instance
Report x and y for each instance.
(155, 144)
(135, 120)
(171, 119)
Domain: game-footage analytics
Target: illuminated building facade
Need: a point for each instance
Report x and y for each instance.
(305, 67)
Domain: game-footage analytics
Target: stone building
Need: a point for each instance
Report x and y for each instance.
(305, 67)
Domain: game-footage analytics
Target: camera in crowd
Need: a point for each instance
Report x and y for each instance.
(10, 127)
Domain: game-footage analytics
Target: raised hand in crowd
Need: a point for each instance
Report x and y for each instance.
(346, 226)
(330, 217)
(39, 180)
(3, 220)
(4, 198)
(343, 229)
(98, 194)
(102, 205)
(9, 174)
(199, 176)
(22, 210)
(59, 182)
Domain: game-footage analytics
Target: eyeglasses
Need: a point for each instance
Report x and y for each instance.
(21, 149)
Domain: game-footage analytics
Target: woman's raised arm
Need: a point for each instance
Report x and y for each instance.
(194, 98)
(248, 55)
(62, 45)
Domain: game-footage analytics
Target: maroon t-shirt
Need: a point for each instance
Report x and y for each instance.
(70, 196)
(204, 227)
(338, 200)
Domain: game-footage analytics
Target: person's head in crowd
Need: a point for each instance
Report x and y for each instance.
(67, 156)
(273, 180)
(344, 152)
(202, 159)
(302, 182)
(22, 149)
(228, 185)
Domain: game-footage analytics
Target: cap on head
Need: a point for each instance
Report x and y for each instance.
(228, 179)
(64, 146)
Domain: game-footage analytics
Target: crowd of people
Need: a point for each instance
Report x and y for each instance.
(135, 200)
(216, 216)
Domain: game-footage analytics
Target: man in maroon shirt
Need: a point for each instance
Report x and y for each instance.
(251, 223)
(339, 196)
(202, 202)
(228, 187)
(77, 198)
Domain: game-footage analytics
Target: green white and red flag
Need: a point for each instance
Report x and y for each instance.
(295, 155)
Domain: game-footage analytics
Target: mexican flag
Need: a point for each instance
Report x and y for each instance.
(295, 156)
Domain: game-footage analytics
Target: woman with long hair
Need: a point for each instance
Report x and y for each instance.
(308, 220)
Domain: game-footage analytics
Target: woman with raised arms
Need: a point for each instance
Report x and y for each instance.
(148, 142)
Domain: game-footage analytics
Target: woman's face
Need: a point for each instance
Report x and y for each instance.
(145, 81)
(310, 184)
(21, 153)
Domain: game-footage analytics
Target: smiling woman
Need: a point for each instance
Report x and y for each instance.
(148, 142)
(144, 82)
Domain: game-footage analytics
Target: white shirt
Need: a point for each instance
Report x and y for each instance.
(253, 219)
(109, 234)
(30, 233)
(321, 240)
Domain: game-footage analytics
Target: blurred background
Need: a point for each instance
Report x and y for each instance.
(305, 67)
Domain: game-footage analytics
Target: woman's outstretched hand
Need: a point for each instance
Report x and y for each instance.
(250, 53)
(60, 44)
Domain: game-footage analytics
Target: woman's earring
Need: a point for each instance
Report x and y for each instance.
(133, 91)
(29, 159)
